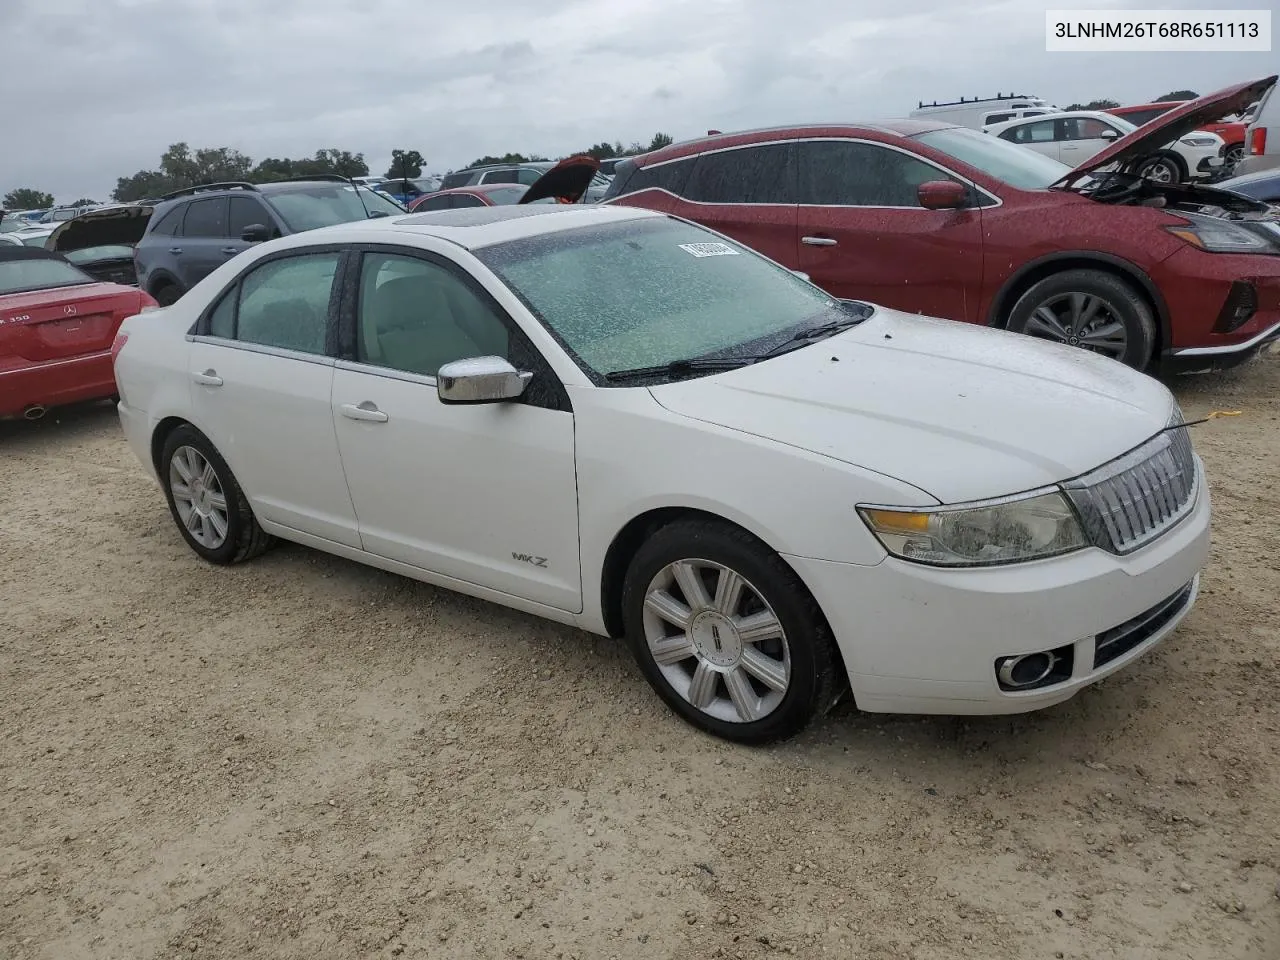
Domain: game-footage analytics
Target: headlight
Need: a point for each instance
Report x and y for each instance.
(1009, 530)
(1224, 236)
(1199, 141)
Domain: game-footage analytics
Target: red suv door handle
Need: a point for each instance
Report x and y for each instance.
(818, 241)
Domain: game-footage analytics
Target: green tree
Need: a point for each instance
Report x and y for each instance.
(25, 198)
(661, 140)
(406, 164)
(1178, 95)
(1095, 105)
(332, 160)
(85, 202)
(180, 168)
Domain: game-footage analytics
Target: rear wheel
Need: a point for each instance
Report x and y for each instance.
(1091, 309)
(207, 504)
(727, 634)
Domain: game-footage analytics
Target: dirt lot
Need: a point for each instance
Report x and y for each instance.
(305, 758)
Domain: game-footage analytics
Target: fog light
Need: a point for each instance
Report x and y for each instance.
(1027, 671)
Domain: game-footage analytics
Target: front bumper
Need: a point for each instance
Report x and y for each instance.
(918, 639)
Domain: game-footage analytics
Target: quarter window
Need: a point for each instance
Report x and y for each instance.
(416, 316)
(1042, 131)
(762, 174)
(206, 218)
(284, 303)
(168, 224)
(851, 174)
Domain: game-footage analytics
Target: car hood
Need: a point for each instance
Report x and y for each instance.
(569, 179)
(100, 228)
(961, 412)
(1178, 122)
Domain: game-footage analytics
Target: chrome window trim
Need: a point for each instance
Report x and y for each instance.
(262, 348)
(387, 373)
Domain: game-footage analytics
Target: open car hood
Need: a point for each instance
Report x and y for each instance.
(1178, 122)
(100, 228)
(567, 180)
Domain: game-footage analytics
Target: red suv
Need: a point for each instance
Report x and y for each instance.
(950, 222)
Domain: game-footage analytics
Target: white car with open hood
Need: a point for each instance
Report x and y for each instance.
(619, 420)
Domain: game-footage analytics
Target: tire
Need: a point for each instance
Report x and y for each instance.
(241, 536)
(800, 657)
(167, 294)
(1120, 299)
(1162, 169)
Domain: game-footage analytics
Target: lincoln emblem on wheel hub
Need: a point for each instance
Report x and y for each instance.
(716, 639)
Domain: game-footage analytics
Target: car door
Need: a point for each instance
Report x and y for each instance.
(748, 193)
(262, 374)
(199, 249)
(1080, 138)
(484, 493)
(865, 236)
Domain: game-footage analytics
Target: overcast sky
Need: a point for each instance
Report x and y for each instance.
(96, 89)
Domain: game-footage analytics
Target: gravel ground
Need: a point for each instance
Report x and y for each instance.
(305, 758)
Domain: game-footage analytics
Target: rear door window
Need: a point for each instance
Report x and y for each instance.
(283, 303)
(168, 224)
(206, 218)
(466, 200)
(757, 174)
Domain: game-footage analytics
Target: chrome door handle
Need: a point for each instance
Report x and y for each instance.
(818, 241)
(366, 410)
(230, 251)
(175, 249)
(209, 378)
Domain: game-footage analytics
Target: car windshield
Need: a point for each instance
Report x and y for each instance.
(113, 251)
(18, 276)
(652, 292)
(10, 224)
(35, 239)
(311, 206)
(1007, 162)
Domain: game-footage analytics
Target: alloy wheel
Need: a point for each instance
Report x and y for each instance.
(1080, 320)
(1159, 171)
(199, 498)
(716, 640)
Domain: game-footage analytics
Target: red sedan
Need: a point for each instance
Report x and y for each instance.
(57, 325)
(481, 195)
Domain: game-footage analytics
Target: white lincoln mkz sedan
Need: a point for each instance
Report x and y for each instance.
(619, 420)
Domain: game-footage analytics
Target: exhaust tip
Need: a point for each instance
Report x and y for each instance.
(34, 412)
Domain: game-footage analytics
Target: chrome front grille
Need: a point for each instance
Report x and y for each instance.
(1131, 501)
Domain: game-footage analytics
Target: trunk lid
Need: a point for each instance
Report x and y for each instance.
(1152, 136)
(568, 180)
(63, 323)
(109, 226)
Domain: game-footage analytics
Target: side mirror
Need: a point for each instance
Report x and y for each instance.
(1109, 134)
(942, 195)
(480, 380)
(255, 233)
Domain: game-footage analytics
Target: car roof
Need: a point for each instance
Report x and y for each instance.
(473, 227)
(890, 128)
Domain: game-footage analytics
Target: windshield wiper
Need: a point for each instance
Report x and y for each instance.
(809, 334)
(678, 368)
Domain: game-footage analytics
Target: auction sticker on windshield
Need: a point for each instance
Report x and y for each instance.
(709, 249)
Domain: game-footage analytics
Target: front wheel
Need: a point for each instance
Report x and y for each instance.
(207, 504)
(168, 295)
(1091, 309)
(1161, 170)
(727, 634)
(1232, 157)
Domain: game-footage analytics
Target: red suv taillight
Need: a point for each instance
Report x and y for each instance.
(1258, 141)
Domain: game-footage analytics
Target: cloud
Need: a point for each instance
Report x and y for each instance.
(111, 83)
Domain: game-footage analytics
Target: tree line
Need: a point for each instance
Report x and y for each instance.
(181, 167)
(1112, 104)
